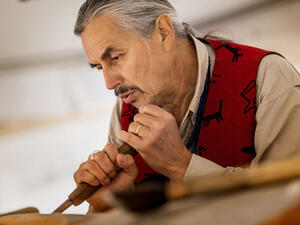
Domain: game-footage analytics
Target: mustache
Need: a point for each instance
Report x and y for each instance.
(124, 89)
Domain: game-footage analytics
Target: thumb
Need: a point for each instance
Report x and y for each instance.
(127, 163)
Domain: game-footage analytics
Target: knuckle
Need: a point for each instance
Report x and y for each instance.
(99, 156)
(79, 176)
(111, 151)
(82, 165)
(90, 165)
(136, 117)
(76, 175)
(127, 138)
(87, 166)
(131, 127)
(109, 146)
(146, 107)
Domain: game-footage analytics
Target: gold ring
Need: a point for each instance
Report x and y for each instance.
(138, 129)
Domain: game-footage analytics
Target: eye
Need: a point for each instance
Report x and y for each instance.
(116, 58)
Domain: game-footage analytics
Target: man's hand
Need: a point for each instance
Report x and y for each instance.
(158, 141)
(102, 169)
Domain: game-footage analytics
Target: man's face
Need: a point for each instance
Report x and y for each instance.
(135, 68)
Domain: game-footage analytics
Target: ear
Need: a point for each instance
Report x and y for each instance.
(164, 29)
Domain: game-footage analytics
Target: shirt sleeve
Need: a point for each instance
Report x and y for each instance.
(277, 134)
(115, 124)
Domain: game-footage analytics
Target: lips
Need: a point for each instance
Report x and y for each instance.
(127, 97)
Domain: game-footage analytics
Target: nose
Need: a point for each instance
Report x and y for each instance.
(112, 79)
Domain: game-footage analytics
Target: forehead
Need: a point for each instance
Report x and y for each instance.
(102, 32)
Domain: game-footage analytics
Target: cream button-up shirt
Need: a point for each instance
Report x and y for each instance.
(277, 134)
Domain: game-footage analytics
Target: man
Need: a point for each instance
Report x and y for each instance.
(189, 106)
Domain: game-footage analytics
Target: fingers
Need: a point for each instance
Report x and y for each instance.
(152, 118)
(82, 175)
(138, 129)
(127, 163)
(131, 139)
(100, 169)
(154, 111)
(145, 119)
(112, 152)
(104, 162)
(91, 173)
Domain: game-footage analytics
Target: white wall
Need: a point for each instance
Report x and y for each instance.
(37, 165)
(51, 90)
(37, 27)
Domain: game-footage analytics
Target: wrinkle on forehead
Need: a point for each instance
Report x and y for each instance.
(105, 26)
(102, 32)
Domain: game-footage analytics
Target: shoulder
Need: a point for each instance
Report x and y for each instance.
(275, 76)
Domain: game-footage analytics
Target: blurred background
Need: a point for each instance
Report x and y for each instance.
(54, 110)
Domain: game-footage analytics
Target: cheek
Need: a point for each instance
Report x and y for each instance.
(138, 69)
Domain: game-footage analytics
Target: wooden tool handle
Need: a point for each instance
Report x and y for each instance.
(84, 190)
(127, 149)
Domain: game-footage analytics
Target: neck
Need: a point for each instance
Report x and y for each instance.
(186, 65)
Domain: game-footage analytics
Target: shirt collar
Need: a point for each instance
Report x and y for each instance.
(202, 56)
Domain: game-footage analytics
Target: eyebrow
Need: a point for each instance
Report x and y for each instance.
(106, 54)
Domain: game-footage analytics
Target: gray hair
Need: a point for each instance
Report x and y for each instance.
(135, 15)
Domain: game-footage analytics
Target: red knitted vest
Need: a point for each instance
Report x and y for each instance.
(127, 114)
(228, 124)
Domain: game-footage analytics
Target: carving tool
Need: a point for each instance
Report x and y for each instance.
(84, 190)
